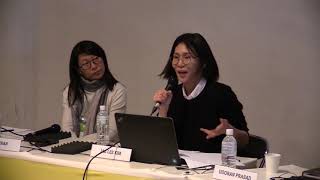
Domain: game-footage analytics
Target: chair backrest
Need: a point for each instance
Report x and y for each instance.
(256, 148)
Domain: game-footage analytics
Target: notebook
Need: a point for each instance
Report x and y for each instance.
(152, 139)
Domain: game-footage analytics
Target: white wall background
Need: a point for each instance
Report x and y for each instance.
(267, 51)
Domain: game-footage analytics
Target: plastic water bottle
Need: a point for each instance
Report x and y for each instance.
(102, 126)
(229, 149)
(82, 126)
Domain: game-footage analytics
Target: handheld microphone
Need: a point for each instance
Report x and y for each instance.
(47, 136)
(55, 128)
(172, 82)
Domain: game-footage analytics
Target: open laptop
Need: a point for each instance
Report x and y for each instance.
(152, 139)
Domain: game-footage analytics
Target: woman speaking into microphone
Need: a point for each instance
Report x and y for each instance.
(201, 107)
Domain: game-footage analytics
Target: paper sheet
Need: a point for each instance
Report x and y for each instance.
(195, 159)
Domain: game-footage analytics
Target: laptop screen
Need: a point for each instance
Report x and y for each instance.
(152, 139)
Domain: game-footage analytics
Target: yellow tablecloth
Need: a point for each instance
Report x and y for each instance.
(17, 169)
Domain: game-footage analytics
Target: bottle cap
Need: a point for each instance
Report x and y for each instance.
(102, 108)
(229, 132)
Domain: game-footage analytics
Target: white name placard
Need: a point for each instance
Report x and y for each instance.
(114, 153)
(10, 144)
(227, 173)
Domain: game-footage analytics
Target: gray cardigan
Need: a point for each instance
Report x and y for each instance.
(116, 103)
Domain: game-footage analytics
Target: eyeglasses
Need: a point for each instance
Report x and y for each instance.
(95, 60)
(184, 58)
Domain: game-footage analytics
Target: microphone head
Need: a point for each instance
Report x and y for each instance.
(55, 128)
(172, 82)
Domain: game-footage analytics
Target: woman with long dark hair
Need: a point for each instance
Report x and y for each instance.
(91, 85)
(201, 107)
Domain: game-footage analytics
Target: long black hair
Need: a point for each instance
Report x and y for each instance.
(76, 90)
(201, 49)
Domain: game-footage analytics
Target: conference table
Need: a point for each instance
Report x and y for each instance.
(34, 164)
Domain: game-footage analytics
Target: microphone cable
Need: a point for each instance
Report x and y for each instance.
(153, 111)
(87, 167)
(37, 147)
(11, 131)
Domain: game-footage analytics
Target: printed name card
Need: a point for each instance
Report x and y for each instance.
(114, 153)
(227, 173)
(10, 144)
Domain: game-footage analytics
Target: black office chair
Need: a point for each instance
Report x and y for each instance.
(256, 148)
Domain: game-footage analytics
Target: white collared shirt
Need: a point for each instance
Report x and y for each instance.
(196, 91)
